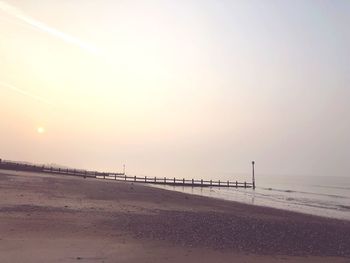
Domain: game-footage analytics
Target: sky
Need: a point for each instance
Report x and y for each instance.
(177, 88)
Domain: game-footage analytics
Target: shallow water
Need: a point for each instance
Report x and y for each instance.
(323, 196)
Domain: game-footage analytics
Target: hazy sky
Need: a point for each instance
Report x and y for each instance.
(177, 88)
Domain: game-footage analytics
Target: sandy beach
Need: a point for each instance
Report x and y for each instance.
(47, 218)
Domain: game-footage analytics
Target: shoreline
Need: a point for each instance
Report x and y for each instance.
(156, 224)
(312, 210)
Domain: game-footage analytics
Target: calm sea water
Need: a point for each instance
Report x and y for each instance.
(322, 195)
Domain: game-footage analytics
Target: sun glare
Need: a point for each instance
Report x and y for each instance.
(40, 130)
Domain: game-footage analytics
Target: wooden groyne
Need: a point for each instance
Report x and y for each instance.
(17, 166)
(176, 181)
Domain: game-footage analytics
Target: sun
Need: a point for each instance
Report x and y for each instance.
(40, 129)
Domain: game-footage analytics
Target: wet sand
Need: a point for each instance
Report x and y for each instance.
(46, 218)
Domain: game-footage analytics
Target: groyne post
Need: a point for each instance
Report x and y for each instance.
(253, 174)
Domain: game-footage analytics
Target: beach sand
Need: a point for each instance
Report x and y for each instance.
(47, 218)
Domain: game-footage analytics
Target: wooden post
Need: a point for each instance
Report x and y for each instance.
(125, 176)
(145, 179)
(155, 179)
(211, 182)
(183, 181)
(85, 174)
(253, 166)
(228, 183)
(165, 180)
(245, 185)
(219, 182)
(192, 182)
(236, 184)
(202, 182)
(135, 178)
(104, 176)
(174, 180)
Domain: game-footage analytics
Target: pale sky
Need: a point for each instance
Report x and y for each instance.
(177, 88)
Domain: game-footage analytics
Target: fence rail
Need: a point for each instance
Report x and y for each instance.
(18, 166)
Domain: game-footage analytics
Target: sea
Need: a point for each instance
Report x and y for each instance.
(326, 196)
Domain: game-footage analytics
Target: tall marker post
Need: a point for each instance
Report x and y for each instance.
(253, 174)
